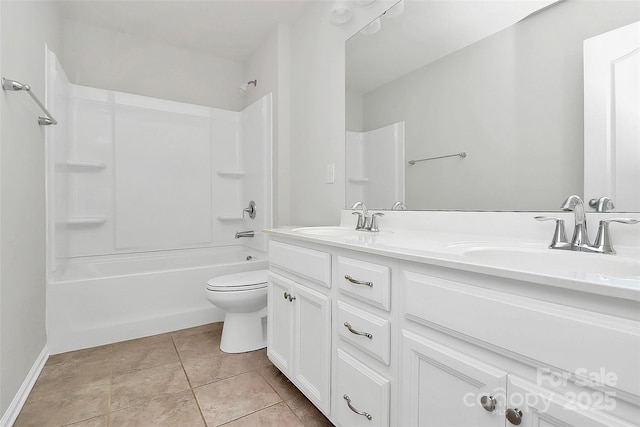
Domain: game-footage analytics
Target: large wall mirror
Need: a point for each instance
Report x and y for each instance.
(480, 105)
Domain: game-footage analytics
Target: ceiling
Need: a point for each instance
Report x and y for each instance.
(425, 32)
(231, 29)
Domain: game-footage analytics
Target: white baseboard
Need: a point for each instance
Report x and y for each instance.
(12, 412)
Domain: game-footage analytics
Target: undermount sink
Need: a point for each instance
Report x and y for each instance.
(324, 231)
(558, 261)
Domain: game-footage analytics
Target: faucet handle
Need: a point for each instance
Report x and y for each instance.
(559, 235)
(621, 220)
(603, 238)
(374, 223)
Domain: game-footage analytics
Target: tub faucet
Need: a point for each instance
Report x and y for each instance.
(240, 234)
(363, 218)
(580, 239)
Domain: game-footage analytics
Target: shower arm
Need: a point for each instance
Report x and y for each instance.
(14, 85)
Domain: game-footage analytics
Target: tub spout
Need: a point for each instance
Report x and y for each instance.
(240, 234)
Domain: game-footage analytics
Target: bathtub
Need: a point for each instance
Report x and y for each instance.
(98, 300)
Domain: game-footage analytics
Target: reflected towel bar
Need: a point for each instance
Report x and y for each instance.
(462, 154)
(15, 86)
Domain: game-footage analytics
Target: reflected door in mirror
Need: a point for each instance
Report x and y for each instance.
(612, 117)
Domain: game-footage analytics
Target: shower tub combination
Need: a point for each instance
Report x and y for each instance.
(93, 301)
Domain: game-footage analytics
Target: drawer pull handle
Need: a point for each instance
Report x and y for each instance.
(354, 332)
(364, 414)
(358, 282)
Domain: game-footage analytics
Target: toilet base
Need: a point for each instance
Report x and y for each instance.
(242, 332)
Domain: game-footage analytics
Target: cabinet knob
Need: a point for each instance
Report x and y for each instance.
(514, 416)
(488, 403)
(291, 298)
(286, 295)
(364, 414)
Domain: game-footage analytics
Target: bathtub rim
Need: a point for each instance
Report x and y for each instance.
(59, 275)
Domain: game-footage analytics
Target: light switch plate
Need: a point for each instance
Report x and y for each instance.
(331, 173)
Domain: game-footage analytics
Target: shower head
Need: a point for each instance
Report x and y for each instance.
(244, 87)
(14, 85)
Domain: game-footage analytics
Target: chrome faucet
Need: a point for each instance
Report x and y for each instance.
(363, 218)
(240, 234)
(580, 240)
(366, 222)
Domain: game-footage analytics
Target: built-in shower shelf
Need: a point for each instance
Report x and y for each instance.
(230, 173)
(80, 220)
(230, 218)
(77, 165)
(358, 180)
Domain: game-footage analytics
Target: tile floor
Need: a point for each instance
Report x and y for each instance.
(175, 379)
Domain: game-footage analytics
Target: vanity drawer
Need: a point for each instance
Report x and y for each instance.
(366, 331)
(568, 338)
(359, 388)
(366, 281)
(307, 263)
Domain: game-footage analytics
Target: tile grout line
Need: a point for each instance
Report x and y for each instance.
(112, 362)
(254, 412)
(280, 396)
(193, 393)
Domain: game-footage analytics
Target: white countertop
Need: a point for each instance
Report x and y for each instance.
(446, 248)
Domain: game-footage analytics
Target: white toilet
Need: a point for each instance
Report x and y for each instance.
(243, 297)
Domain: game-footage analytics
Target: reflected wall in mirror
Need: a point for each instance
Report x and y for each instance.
(499, 80)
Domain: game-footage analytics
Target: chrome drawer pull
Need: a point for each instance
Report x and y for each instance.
(358, 282)
(354, 332)
(364, 414)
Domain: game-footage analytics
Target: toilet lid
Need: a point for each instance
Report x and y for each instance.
(244, 281)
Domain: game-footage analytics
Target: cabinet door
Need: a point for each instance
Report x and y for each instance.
(280, 323)
(529, 405)
(312, 345)
(442, 387)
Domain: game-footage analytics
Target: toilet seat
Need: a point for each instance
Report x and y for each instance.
(245, 281)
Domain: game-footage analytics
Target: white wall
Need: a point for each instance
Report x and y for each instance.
(354, 111)
(116, 61)
(512, 101)
(317, 113)
(25, 29)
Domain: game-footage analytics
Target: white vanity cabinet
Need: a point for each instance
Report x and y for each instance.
(363, 377)
(299, 319)
(486, 350)
(398, 342)
(441, 387)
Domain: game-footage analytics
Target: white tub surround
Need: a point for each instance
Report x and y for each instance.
(412, 326)
(144, 198)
